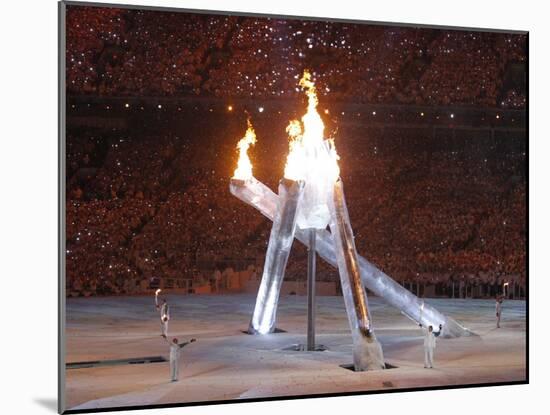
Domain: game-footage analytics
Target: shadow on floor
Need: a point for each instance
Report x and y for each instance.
(48, 403)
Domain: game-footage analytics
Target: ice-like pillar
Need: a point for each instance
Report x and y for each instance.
(278, 249)
(311, 294)
(367, 352)
(262, 198)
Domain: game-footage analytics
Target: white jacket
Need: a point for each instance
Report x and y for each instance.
(429, 338)
(165, 311)
(175, 349)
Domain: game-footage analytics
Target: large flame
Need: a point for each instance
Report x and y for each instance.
(310, 155)
(244, 166)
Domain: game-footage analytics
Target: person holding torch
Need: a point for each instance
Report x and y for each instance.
(429, 344)
(157, 292)
(429, 341)
(164, 317)
(498, 308)
(164, 313)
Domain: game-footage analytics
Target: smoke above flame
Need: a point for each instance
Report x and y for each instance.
(244, 166)
(310, 156)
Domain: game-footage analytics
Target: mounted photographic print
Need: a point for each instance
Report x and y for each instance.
(261, 207)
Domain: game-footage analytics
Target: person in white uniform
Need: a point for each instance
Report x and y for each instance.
(175, 349)
(157, 305)
(498, 309)
(164, 317)
(429, 345)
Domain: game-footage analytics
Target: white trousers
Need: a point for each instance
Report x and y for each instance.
(174, 369)
(164, 327)
(428, 357)
(498, 320)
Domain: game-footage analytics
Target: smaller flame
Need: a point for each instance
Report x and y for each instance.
(244, 166)
(505, 284)
(157, 292)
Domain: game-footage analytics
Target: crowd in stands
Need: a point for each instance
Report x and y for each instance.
(154, 206)
(151, 204)
(514, 100)
(122, 52)
(99, 234)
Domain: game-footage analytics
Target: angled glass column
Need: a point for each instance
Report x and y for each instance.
(367, 352)
(278, 250)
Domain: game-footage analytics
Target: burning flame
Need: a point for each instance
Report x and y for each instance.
(157, 291)
(310, 155)
(244, 166)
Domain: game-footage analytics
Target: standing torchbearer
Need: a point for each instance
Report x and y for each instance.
(429, 345)
(498, 309)
(175, 350)
(164, 317)
(157, 305)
